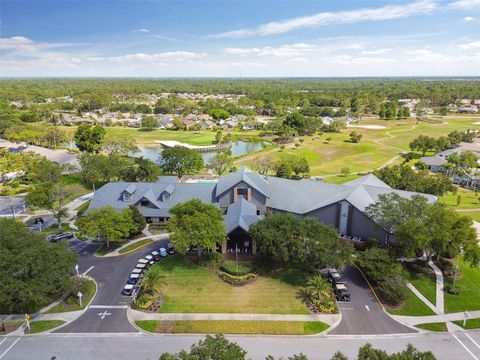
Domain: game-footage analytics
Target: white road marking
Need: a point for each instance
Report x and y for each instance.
(476, 344)
(8, 349)
(465, 347)
(366, 307)
(102, 315)
(344, 308)
(108, 306)
(88, 270)
(1, 342)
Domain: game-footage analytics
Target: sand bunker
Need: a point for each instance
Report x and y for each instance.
(373, 127)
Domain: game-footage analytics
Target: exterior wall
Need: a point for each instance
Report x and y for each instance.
(327, 215)
(226, 199)
(255, 197)
(363, 227)
(259, 200)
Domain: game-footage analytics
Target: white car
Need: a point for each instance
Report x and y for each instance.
(137, 271)
(141, 266)
(144, 261)
(127, 290)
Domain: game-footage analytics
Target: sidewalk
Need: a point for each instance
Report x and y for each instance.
(439, 301)
(140, 315)
(413, 320)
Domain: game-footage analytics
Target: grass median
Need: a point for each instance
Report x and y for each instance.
(233, 327)
(134, 246)
(412, 306)
(470, 324)
(71, 303)
(437, 327)
(39, 326)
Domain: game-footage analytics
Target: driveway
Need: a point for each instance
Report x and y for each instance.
(108, 311)
(363, 314)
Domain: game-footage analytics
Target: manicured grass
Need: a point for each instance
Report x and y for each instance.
(413, 306)
(71, 303)
(475, 215)
(376, 148)
(135, 245)
(341, 179)
(77, 178)
(471, 324)
(234, 267)
(439, 326)
(11, 326)
(234, 327)
(39, 326)
(426, 284)
(148, 325)
(105, 250)
(469, 284)
(194, 289)
(469, 200)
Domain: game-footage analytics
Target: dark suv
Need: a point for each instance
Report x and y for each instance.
(57, 237)
(341, 292)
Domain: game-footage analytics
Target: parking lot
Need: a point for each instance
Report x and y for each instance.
(363, 314)
(9, 203)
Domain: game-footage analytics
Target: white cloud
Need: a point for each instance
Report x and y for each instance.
(425, 55)
(346, 59)
(464, 4)
(169, 55)
(287, 50)
(142, 30)
(341, 17)
(468, 19)
(470, 45)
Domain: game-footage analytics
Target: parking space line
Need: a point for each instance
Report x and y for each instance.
(8, 349)
(476, 344)
(1, 342)
(88, 270)
(465, 347)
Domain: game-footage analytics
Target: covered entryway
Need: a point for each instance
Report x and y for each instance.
(239, 241)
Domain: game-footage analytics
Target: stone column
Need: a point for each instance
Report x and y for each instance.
(235, 195)
(249, 194)
(254, 247)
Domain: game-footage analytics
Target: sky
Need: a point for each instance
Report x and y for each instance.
(239, 38)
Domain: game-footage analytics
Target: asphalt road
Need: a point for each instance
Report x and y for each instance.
(16, 202)
(142, 347)
(363, 314)
(108, 310)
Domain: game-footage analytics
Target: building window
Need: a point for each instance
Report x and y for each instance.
(126, 196)
(258, 211)
(148, 219)
(144, 202)
(242, 192)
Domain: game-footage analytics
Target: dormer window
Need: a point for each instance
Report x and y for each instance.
(165, 196)
(126, 196)
(144, 202)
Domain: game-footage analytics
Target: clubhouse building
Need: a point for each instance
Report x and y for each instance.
(245, 197)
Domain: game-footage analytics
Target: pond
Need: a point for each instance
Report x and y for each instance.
(154, 152)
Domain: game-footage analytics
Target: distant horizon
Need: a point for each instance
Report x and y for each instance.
(244, 39)
(419, 77)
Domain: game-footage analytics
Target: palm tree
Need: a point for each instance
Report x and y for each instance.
(153, 281)
(318, 284)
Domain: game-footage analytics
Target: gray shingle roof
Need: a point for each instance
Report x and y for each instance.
(256, 181)
(433, 160)
(241, 215)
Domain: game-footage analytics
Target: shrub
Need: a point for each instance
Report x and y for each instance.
(143, 301)
(211, 260)
(237, 280)
(76, 284)
(230, 267)
(393, 289)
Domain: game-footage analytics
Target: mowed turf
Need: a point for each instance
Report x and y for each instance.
(194, 289)
(377, 147)
(469, 284)
(468, 199)
(234, 327)
(412, 306)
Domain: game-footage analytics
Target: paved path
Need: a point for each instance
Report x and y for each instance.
(363, 314)
(413, 320)
(445, 346)
(439, 298)
(140, 315)
(421, 297)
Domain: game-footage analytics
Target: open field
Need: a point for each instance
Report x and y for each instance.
(234, 327)
(470, 290)
(203, 137)
(377, 147)
(194, 289)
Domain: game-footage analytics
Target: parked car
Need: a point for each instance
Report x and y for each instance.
(338, 279)
(163, 252)
(137, 271)
(341, 292)
(127, 290)
(330, 274)
(156, 256)
(133, 279)
(57, 237)
(171, 249)
(142, 266)
(38, 220)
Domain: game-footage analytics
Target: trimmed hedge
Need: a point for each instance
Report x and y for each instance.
(235, 280)
(230, 267)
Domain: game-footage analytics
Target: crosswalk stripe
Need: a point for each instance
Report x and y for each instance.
(8, 349)
(476, 344)
(465, 347)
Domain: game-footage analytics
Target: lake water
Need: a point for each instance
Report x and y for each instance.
(154, 152)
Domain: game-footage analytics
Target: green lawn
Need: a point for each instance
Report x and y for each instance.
(77, 179)
(234, 327)
(135, 245)
(469, 283)
(113, 246)
(471, 324)
(39, 326)
(375, 149)
(341, 179)
(475, 215)
(426, 284)
(71, 303)
(413, 306)
(439, 326)
(194, 289)
(469, 200)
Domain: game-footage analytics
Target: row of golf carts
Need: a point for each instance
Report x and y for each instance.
(135, 279)
(339, 285)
